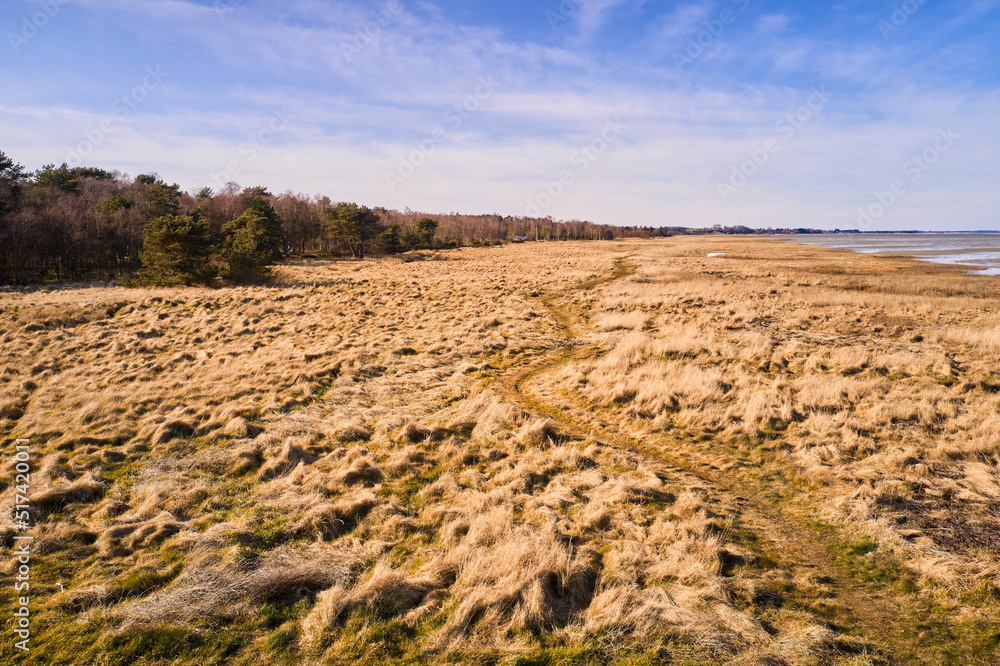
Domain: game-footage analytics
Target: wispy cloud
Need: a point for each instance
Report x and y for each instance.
(593, 14)
(682, 22)
(772, 23)
(355, 116)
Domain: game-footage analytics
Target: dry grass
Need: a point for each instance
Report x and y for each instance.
(875, 378)
(323, 470)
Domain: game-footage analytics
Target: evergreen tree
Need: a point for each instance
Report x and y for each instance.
(427, 227)
(391, 240)
(427, 224)
(158, 198)
(352, 226)
(410, 237)
(9, 171)
(175, 250)
(11, 175)
(68, 179)
(248, 248)
(258, 201)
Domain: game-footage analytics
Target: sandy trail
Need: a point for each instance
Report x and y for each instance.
(874, 615)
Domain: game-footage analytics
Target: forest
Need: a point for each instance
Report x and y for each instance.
(85, 223)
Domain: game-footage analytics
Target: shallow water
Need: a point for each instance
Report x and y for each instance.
(981, 252)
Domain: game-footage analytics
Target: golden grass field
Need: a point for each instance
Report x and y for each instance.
(548, 453)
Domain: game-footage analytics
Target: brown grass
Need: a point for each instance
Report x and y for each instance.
(877, 380)
(334, 450)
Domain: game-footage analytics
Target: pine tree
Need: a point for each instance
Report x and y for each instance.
(11, 175)
(175, 250)
(248, 248)
(157, 198)
(258, 201)
(352, 226)
(68, 179)
(427, 227)
(391, 240)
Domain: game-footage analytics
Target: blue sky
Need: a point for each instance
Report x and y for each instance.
(878, 114)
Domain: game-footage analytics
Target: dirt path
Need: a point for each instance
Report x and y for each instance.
(869, 614)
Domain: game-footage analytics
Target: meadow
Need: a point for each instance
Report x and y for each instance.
(540, 453)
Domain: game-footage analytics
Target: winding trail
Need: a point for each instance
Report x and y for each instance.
(872, 615)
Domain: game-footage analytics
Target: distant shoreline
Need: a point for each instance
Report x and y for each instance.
(979, 251)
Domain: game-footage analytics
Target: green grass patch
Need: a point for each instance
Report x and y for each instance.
(144, 581)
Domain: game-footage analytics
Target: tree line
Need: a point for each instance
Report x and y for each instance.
(81, 223)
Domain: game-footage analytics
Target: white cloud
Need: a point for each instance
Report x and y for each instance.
(772, 23)
(593, 14)
(354, 119)
(684, 21)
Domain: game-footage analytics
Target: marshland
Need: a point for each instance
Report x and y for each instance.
(562, 333)
(540, 453)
